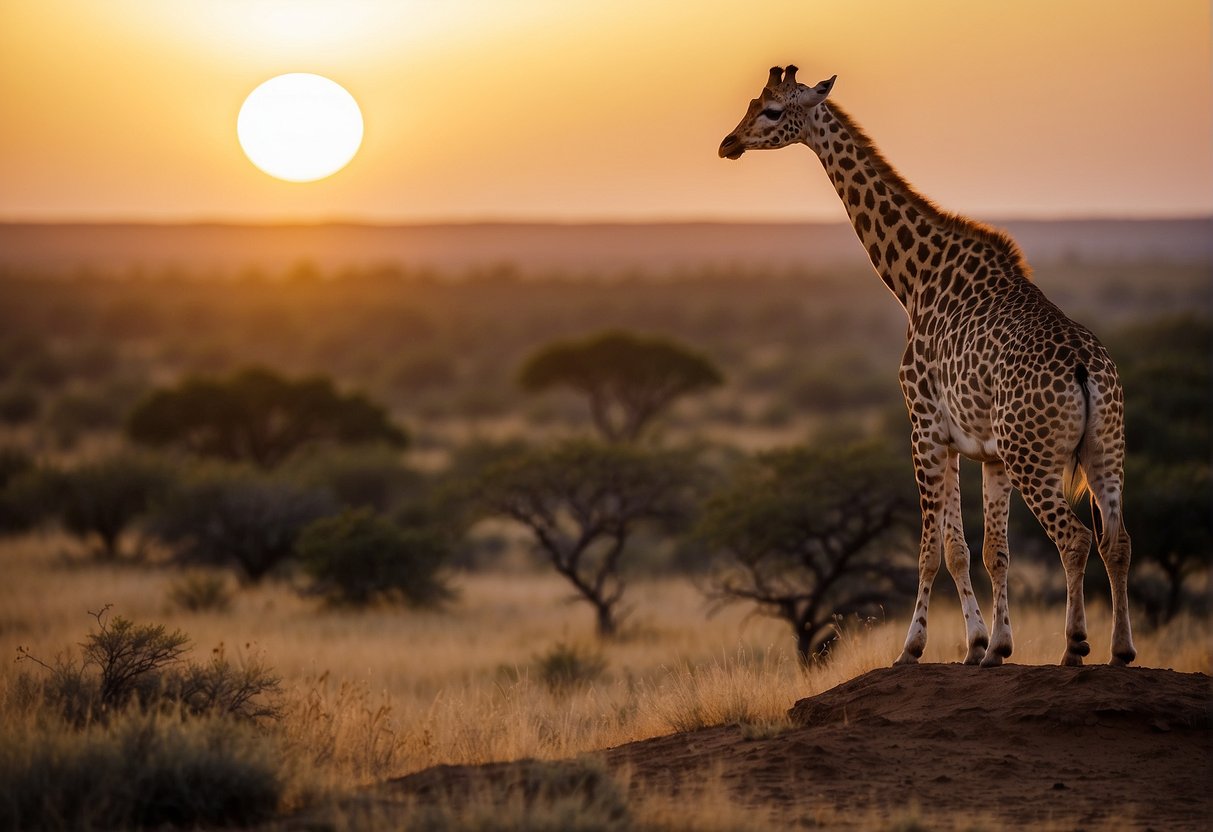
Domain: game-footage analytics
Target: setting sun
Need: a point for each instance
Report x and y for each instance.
(300, 127)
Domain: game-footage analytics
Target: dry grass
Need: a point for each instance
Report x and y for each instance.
(384, 692)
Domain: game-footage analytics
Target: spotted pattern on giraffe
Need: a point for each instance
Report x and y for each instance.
(992, 370)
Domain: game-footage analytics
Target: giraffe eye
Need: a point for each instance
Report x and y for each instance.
(773, 115)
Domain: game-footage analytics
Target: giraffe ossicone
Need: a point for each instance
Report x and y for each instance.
(992, 371)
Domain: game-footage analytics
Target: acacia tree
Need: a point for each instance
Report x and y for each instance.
(583, 502)
(808, 536)
(629, 380)
(258, 416)
(105, 498)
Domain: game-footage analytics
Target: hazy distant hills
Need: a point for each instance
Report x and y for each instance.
(205, 249)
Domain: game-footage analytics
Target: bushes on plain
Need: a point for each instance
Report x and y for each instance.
(357, 556)
(231, 516)
(131, 736)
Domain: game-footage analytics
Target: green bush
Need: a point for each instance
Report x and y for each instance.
(227, 516)
(357, 556)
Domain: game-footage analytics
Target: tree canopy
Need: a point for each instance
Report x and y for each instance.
(583, 501)
(628, 379)
(258, 416)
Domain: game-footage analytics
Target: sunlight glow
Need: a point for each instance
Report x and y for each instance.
(300, 127)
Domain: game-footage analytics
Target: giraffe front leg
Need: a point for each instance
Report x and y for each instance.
(928, 567)
(996, 491)
(929, 469)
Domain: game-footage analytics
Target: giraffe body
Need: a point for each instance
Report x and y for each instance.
(992, 370)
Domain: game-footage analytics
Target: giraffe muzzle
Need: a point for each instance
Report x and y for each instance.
(731, 148)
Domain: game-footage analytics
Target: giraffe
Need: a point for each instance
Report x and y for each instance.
(992, 370)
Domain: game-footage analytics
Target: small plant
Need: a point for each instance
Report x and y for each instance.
(201, 592)
(567, 666)
(357, 556)
(125, 665)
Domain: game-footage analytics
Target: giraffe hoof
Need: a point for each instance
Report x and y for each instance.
(992, 659)
(1069, 659)
(906, 658)
(1122, 659)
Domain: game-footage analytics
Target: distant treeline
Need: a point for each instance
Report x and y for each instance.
(208, 250)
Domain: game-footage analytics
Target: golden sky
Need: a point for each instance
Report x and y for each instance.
(603, 109)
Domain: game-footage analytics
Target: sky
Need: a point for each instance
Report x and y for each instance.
(581, 110)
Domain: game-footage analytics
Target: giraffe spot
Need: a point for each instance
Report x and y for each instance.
(905, 237)
(846, 163)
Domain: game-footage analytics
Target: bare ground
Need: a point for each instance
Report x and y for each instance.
(1024, 745)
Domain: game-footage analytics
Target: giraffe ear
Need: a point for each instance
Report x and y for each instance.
(812, 96)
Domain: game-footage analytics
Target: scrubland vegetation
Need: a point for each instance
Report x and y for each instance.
(464, 559)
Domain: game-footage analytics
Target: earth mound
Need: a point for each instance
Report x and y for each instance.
(1067, 747)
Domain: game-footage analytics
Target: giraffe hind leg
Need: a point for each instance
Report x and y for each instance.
(1045, 497)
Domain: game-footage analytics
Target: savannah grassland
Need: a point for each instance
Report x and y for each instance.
(382, 691)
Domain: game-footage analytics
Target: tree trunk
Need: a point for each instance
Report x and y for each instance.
(607, 626)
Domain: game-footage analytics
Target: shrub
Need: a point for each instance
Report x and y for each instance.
(201, 592)
(567, 666)
(139, 771)
(231, 516)
(124, 665)
(357, 556)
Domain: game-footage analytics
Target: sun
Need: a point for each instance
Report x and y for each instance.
(300, 127)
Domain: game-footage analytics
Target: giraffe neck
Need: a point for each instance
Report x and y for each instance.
(908, 239)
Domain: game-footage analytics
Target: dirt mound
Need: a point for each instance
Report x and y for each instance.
(1074, 747)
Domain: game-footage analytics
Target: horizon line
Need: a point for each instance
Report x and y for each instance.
(555, 222)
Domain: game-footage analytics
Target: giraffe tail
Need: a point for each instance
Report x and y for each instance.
(1074, 482)
(1076, 478)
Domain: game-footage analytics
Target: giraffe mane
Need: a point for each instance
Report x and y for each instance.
(948, 220)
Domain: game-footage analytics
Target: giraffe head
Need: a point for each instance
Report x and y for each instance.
(778, 117)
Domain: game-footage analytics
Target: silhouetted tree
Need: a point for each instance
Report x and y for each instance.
(258, 416)
(809, 535)
(104, 499)
(583, 501)
(233, 516)
(628, 379)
